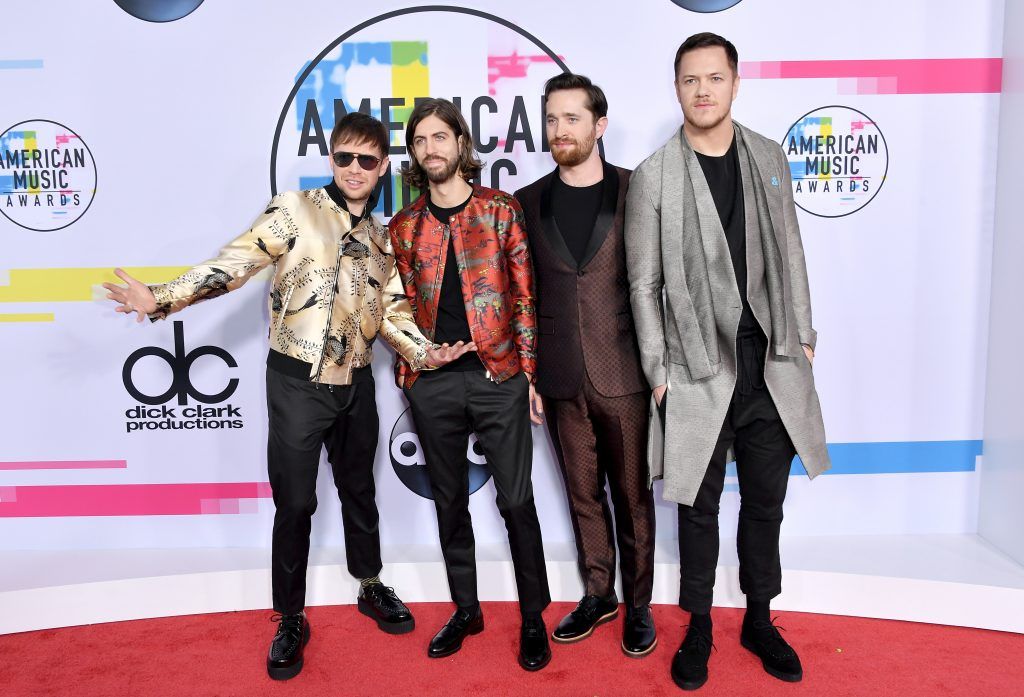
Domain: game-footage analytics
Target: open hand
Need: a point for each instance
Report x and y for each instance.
(134, 297)
(444, 354)
(536, 406)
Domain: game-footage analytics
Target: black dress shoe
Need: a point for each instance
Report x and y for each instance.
(778, 658)
(285, 658)
(580, 623)
(534, 652)
(638, 635)
(379, 603)
(690, 665)
(449, 639)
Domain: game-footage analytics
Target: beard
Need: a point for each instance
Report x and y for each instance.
(571, 157)
(443, 174)
(706, 122)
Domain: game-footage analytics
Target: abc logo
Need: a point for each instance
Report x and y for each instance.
(410, 465)
(706, 5)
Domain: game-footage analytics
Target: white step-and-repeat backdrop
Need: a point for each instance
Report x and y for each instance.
(146, 137)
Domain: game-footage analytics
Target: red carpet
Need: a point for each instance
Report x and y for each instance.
(224, 654)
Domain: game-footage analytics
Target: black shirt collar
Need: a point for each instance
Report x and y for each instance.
(335, 193)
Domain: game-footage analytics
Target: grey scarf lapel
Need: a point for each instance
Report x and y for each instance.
(762, 233)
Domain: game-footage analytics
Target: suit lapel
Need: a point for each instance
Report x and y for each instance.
(606, 216)
(547, 219)
(763, 172)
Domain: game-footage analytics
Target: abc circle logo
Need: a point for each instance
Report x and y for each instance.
(181, 367)
(160, 10)
(706, 6)
(411, 467)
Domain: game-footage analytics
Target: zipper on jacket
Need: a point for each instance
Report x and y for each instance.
(437, 272)
(330, 313)
(284, 308)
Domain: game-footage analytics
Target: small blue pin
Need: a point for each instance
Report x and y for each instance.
(775, 181)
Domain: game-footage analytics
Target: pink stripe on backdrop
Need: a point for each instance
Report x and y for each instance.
(65, 465)
(902, 76)
(131, 499)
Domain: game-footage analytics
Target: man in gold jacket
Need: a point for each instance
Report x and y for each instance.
(335, 289)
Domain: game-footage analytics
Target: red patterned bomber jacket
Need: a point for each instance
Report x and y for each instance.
(493, 255)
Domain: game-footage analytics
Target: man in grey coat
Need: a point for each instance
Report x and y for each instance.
(720, 299)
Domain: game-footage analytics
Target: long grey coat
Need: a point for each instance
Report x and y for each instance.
(675, 243)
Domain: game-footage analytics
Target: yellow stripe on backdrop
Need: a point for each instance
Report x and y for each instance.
(26, 317)
(72, 285)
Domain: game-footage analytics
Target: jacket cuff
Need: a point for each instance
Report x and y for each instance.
(808, 337)
(163, 302)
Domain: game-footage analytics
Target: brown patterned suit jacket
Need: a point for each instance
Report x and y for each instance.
(584, 318)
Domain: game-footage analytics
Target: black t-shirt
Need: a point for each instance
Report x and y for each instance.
(452, 324)
(726, 183)
(575, 209)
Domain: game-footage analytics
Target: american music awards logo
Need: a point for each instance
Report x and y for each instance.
(838, 160)
(47, 175)
(494, 71)
(410, 465)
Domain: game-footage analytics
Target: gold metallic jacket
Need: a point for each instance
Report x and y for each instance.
(335, 288)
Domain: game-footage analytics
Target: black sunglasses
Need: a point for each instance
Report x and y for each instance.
(344, 159)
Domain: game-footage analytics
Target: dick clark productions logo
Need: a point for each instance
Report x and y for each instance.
(47, 175)
(152, 412)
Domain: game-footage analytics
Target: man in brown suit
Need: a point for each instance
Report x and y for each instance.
(588, 363)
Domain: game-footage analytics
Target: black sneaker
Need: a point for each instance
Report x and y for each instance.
(589, 613)
(778, 658)
(379, 603)
(690, 664)
(284, 660)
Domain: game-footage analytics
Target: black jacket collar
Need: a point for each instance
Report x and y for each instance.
(335, 193)
(602, 226)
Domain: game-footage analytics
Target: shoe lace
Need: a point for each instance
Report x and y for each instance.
(588, 605)
(289, 624)
(769, 633)
(637, 613)
(533, 628)
(696, 639)
(384, 594)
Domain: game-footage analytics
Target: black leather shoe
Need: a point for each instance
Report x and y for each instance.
(778, 658)
(285, 658)
(690, 665)
(534, 652)
(638, 635)
(379, 603)
(580, 623)
(449, 639)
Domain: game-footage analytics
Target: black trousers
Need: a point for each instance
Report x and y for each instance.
(764, 454)
(304, 417)
(600, 438)
(446, 406)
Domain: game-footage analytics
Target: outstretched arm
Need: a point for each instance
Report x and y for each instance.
(271, 236)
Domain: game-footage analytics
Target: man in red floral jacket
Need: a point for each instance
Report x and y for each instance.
(462, 253)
